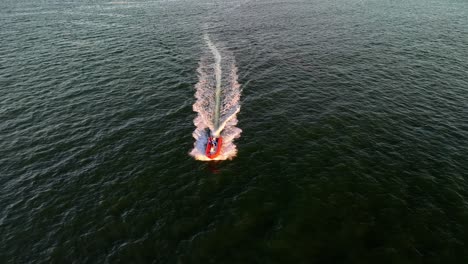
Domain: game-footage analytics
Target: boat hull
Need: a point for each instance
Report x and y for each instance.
(219, 144)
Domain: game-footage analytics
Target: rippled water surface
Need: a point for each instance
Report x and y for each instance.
(354, 144)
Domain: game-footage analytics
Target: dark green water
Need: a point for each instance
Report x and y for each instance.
(354, 146)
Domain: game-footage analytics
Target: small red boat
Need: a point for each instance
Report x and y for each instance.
(213, 147)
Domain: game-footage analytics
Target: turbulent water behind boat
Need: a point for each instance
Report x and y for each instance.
(217, 102)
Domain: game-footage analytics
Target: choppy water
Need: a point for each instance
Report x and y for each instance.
(354, 142)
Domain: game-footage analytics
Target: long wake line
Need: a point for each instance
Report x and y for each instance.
(217, 56)
(217, 101)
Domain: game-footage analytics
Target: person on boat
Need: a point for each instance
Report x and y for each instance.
(213, 144)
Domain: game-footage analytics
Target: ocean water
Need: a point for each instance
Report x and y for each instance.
(354, 142)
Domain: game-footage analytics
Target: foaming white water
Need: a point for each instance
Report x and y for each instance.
(217, 102)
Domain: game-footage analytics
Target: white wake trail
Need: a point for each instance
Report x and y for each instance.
(217, 102)
(218, 72)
